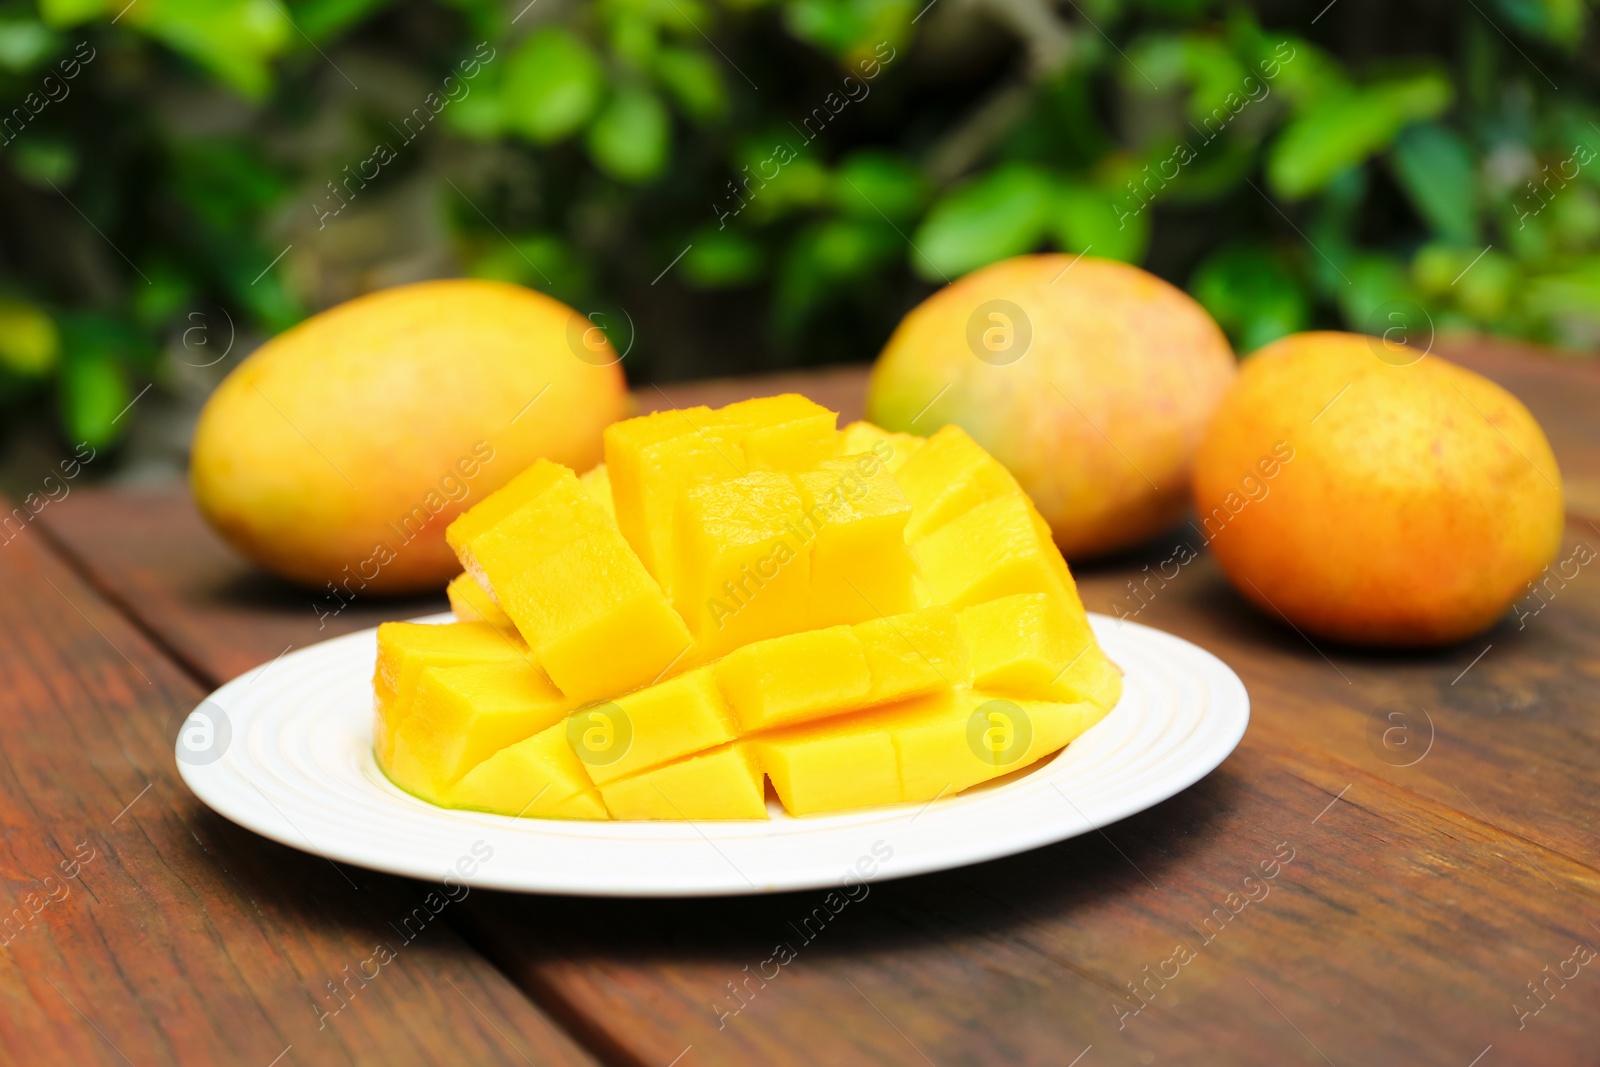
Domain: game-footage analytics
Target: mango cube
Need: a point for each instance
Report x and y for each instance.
(651, 462)
(471, 602)
(841, 763)
(650, 727)
(597, 623)
(536, 778)
(597, 483)
(891, 447)
(998, 548)
(406, 648)
(743, 571)
(856, 517)
(952, 741)
(724, 783)
(780, 433)
(949, 476)
(463, 715)
(795, 678)
(522, 489)
(1035, 645)
(918, 652)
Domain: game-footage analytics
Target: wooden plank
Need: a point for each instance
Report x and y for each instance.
(1418, 904)
(139, 926)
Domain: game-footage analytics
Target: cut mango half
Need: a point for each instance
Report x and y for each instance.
(740, 603)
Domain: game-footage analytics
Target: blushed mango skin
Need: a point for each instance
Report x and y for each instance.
(341, 449)
(1098, 419)
(1418, 503)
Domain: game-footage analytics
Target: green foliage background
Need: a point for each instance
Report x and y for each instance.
(211, 170)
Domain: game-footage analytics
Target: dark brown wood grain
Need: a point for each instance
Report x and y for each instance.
(1420, 901)
(140, 927)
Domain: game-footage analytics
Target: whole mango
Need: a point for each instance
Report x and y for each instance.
(1091, 380)
(1376, 495)
(340, 450)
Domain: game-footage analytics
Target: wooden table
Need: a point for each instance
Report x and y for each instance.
(1414, 913)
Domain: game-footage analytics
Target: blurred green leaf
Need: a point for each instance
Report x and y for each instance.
(830, 252)
(29, 342)
(1558, 21)
(24, 41)
(1342, 131)
(540, 261)
(1375, 282)
(93, 388)
(63, 13)
(634, 40)
(1485, 290)
(1084, 218)
(234, 39)
(552, 87)
(720, 258)
(1002, 213)
(850, 29)
(1569, 300)
(1434, 167)
(480, 115)
(1575, 218)
(695, 80)
(873, 185)
(1300, 72)
(159, 302)
(1437, 265)
(321, 19)
(1201, 60)
(42, 160)
(631, 136)
(1252, 294)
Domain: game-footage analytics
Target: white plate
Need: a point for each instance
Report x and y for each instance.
(290, 757)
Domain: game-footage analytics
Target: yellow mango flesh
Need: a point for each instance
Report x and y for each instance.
(520, 490)
(855, 516)
(406, 648)
(1036, 645)
(958, 739)
(949, 476)
(743, 570)
(916, 751)
(724, 783)
(651, 462)
(742, 595)
(780, 433)
(537, 778)
(649, 727)
(795, 678)
(597, 483)
(471, 602)
(463, 715)
(918, 652)
(596, 621)
(998, 548)
(892, 447)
